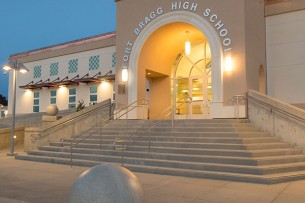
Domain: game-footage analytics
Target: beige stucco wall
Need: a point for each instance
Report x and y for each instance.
(240, 17)
(24, 99)
(255, 42)
(285, 57)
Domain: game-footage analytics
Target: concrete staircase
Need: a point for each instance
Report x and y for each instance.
(224, 149)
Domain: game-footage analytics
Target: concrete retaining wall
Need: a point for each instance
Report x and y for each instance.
(277, 118)
(5, 135)
(33, 119)
(67, 127)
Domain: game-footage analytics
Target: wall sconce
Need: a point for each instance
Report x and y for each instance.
(124, 74)
(187, 45)
(229, 63)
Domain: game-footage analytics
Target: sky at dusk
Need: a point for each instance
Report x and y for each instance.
(31, 24)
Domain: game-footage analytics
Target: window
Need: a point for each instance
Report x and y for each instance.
(53, 97)
(93, 95)
(94, 62)
(36, 102)
(72, 98)
(73, 66)
(37, 71)
(113, 59)
(53, 69)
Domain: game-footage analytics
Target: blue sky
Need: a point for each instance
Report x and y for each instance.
(32, 24)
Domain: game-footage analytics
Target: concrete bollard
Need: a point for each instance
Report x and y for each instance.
(105, 184)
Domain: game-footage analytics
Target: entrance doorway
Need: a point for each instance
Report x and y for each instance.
(162, 60)
(192, 77)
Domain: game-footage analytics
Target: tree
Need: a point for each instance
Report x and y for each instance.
(3, 100)
(81, 105)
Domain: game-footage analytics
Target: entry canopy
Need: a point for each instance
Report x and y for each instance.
(107, 77)
(97, 78)
(66, 82)
(55, 83)
(31, 85)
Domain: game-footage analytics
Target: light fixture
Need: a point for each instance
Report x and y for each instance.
(187, 46)
(6, 68)
(124, 74)
(14, 66)
(229, 63)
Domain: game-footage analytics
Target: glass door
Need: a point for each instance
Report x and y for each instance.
(196, 88)
(193, 79)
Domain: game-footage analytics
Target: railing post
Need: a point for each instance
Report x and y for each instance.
(237, 107)
(71, 153)
(173, 117)
(246, 105)
(149, 141)
(122, 158)
(101, 133)
(127, 122)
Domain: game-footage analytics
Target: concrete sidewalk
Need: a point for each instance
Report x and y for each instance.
(33, 182)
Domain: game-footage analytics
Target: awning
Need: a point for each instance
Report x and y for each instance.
(87, 79)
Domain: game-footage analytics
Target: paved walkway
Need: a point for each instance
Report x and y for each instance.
(33, 182)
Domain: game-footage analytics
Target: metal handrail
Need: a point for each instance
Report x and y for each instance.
(161, 116)
(276, 109)
(67, 122)
(104, 123)
(237, 99)
(122, 147)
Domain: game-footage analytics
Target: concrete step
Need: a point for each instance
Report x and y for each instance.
(109, 134)
(265, 179)
(187, 121)
(97, 155)
(225, 149)
(143, 151)
(187, 125)
(144, 144)
(194, 139)
(183, 129)
(148, 160)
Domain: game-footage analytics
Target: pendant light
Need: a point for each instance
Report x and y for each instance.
(187, 46)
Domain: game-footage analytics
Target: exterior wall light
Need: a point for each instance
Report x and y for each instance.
(229, 64)
(187, 45)
(14, 66)
(124, 74)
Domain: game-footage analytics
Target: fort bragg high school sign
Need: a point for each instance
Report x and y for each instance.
(207, 13)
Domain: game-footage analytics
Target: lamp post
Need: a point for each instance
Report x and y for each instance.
(14, 66)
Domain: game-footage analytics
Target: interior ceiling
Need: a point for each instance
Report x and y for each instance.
(163, 46)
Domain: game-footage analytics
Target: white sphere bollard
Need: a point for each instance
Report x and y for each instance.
(105, 184)
(52, 110)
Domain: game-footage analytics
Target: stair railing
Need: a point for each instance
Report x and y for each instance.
(237, 101)
(141, 103)
(275, 110)
(268, 106)
(165, 114)
(72, 124)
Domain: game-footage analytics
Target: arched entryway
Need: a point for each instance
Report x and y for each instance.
(154, 59)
